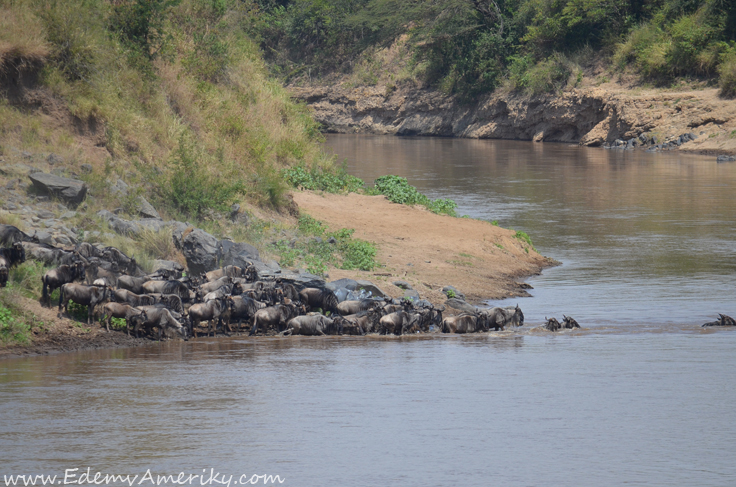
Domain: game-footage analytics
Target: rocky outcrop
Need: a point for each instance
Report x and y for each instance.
(590, 116)
(238, 253)
(200, 249)
(70, 191)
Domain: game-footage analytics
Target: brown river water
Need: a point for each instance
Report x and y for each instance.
(640, 396)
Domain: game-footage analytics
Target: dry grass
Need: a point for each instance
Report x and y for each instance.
(21, 35)
(11, 219)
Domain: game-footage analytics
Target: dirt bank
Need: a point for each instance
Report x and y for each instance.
(592, 114)
(429, 251)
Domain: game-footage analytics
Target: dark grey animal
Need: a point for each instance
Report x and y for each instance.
(428, 317)
(569, 323)
(89, 296)
(552, 324)
(9, 258)
(323, 299)
(117, 310)
(123, 263)
(129, 297)
(723, 320)
(227, 271)
(209, 311)
(463, 323)
(312, 325)
(240, 308)
(131, 283)
(55, 278)
(95, 271)
(10, 235)
(171, 301)
(356, 306)
(367, 320)
(395, 323)
(208, 287)
(274, 317)
(348, 327)
(160, 318)
(500, 318)
(167, 287)
(50, 255)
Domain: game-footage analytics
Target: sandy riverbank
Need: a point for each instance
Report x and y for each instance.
(429, 251)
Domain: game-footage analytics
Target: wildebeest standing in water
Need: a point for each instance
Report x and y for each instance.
(274, 317)
(500, 318)
(209, 311)
(55, 278)
(723, 320)
(552, 324)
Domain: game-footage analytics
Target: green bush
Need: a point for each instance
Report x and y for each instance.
(192, 188)
(14, 321)
(319, 179)
(727, 74)
(547, 76)
(398, 190)
(524, 237)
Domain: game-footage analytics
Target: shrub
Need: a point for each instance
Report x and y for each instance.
(546, 76)
(524, 237)
(319, 179)
(398, 190)
(15, 322)
(727, 74)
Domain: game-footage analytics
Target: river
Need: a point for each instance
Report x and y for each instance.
(642, 395)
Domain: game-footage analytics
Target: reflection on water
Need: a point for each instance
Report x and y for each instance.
(533, 409)
(644, 238)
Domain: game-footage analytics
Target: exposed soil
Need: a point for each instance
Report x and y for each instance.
(429, 251)
(54, 335)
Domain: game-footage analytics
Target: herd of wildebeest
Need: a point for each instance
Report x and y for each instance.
(112, 285)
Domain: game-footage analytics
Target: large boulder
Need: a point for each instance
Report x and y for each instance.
(119, 225)
(461, 305)
(145, 209)
(302, 280)
(71, 191)
(238, 253)
(344, 283)
(201, 251)
(374, 290)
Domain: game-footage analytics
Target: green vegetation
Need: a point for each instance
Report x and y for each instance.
(13, 329)
(313, 248)
(451, 294)
(319, 179)
(398, 190)
(468, 47)
(174, 90)
(524, 237)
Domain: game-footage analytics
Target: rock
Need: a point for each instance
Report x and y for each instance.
(44, 237)
(725, 158)
(119, 225)
(17, 170)
(200, 249)
(402, 284)
(455, 293)
(332, 240)
(144, 208)
(239, 254)
(45, 214)
(168, 265)
(67, 215)
(119, 187)
(317, 240)
(369, 286)
(412, 294)
(71, 191)
(26, 155)
(63, 240)
(643, 138)
(54, 159)
(303, 279)
(86, 168)
(10, 206)
(692, 136)
(461, 305)
(349, 284)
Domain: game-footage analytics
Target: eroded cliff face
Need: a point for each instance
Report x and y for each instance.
(590, 116)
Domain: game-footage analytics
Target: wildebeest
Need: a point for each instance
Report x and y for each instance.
(171, 301)
(356, 306)
(55, 278)
(366, 320)
(723, 320)
(10, 235)
(323, 299)
(227, 271)
(569, 323)
(312, 325)
(160, 318)
(240, 308)
(500, 318)
(50, 255)
(348, 327)
(463, 323)
(89, 296)
(274, 317)
(94, 271)
(118, 310)
(129, 297)
(131, 283)
(552, 324)
(209, 311)
(428, 317)
(123, 263)
(288, 290)
(395, 323)
(8, 258)
(208, 287)
(167, 287)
